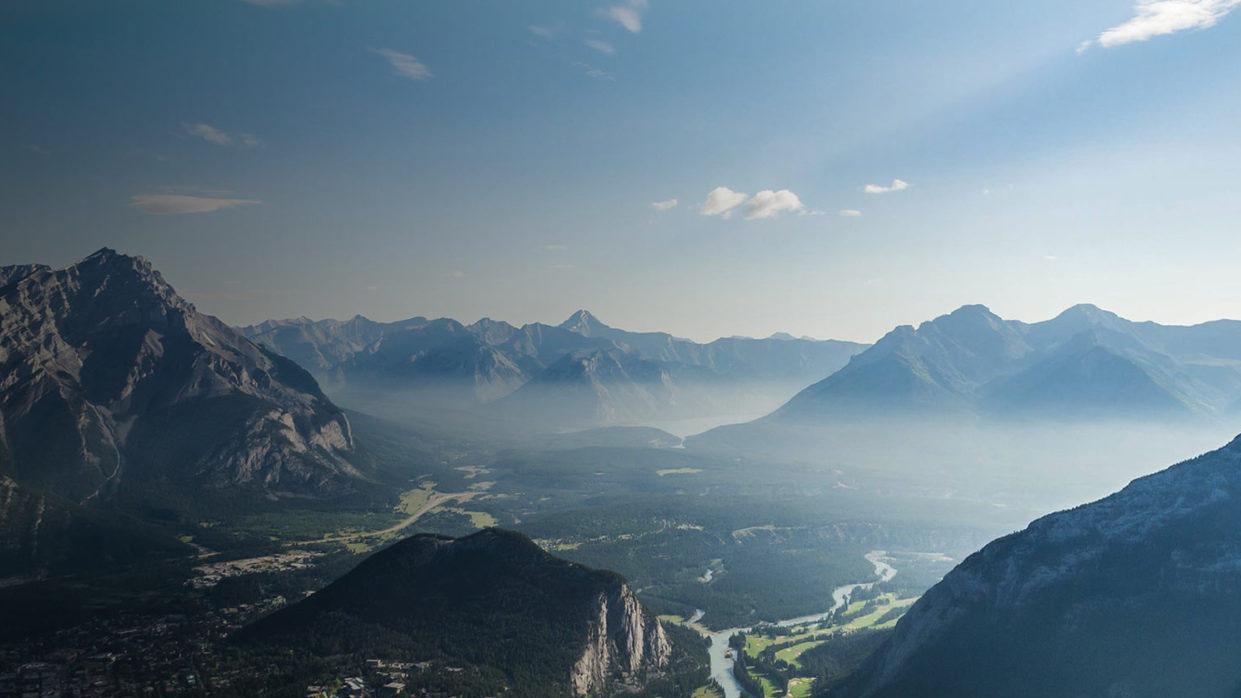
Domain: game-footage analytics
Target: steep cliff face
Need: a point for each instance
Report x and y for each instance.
(1137, 594)
(493, 601)
(109, 380)
(623, 645)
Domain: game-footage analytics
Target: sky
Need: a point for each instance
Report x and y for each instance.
(830, 169)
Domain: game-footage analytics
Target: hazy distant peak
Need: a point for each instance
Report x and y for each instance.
(973, 311)
(1087, 312)
(583, 323)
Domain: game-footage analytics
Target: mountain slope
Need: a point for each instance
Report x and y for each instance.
(493, 600)
(1138, 594)
(111, 382)
(596, 387)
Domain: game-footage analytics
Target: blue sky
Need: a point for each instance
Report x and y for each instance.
(469, 159)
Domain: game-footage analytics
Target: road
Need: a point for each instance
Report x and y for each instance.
(433, 501)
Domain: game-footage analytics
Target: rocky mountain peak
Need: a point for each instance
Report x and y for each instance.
(584, 323)
(106, 354)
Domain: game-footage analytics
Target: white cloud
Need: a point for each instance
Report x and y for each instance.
(665, 205)
(850, 213)
(211, 134)
(768, 204)
(896, 185)
(405, 64)
(721, 202)
(628, 14)
(593, 72)
(172, 204)
(544, 31)
(601, 46)
(1162, 17)
(208, 133)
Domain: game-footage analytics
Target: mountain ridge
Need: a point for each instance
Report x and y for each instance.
(971, 360)
(448, 364)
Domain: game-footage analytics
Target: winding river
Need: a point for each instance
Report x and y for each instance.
(722, 666)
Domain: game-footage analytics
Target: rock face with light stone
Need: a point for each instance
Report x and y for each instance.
(111, 383)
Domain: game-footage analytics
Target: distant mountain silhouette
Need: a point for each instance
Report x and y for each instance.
(1086, 362)
(609, 375)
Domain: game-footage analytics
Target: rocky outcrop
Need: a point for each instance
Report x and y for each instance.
(110, 380)
(16, 272)
(624, 645)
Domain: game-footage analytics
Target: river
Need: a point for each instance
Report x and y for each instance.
(722, 667)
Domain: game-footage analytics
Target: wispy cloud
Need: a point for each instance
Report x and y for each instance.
(627, 14)
(896, 185)
(211, 134)
(665, 205)
(769, 204)
(601, 46)
(1154, 18)
(405, 65)
(721, 201)
(850, 213)
(173, 204)
(592, 71)
(546, 32)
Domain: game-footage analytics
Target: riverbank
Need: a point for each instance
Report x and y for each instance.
(722, 664)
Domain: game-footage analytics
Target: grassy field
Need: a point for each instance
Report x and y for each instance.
(755, 644)
(861, 619)
(413, 500)
(791, 653)
(858, 615)
(478, 519)
(800, 687)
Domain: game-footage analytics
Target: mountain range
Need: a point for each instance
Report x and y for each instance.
(493, 602)
(579, 373)
(1138, 594)
(1084, 363)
